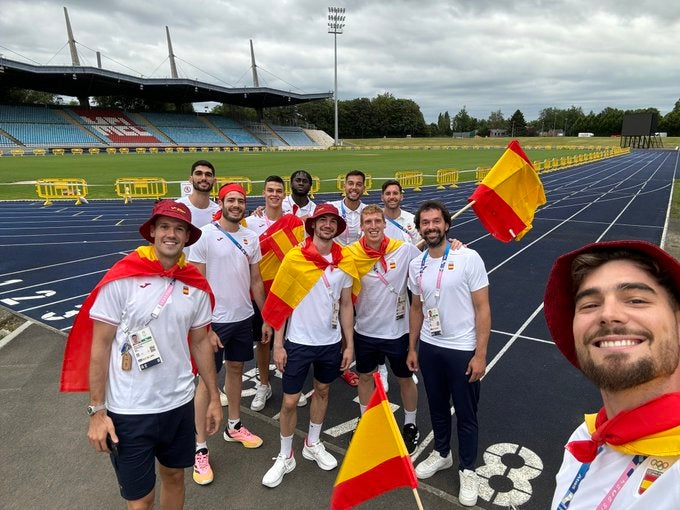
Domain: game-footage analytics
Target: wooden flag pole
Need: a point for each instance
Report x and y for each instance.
(421, 243)
(417, 496)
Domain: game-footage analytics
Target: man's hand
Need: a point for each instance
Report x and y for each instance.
(280, 357)
(100, 427)
(267, 333)
(347, 357)
(213, 416)
(476, 368)
(412, 361)
(214, 340)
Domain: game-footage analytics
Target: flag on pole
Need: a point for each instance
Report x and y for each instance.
(275, 242)
(506, 200)
(376, 460)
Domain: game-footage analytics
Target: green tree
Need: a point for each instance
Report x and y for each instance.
(27, 96)
(517, 126)
(462, 122)
(670, 123)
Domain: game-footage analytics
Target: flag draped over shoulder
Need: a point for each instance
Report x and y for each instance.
(300, 270)
(365, 257)
(275, 242)
(141, 262)
(376, 460)
(507, 198)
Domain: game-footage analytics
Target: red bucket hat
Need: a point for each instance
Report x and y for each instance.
(559, 303)
(322, 210)
(171, 209)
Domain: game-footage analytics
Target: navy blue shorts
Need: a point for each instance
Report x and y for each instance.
(143, 438)
(237, 338)
(370, 352)
(325, 358)
(257, 325)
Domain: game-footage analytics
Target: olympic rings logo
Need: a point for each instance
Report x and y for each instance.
(659, 464)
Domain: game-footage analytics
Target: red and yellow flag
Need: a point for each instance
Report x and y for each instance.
(507, 198)
(376, 460)
(365, 257)
(275, 242)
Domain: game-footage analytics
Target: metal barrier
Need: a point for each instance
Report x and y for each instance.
(128, 188)
(58, 152)
(447, 177)
(140, 150)
(410, 179)
(111, 150)
(77, 150)
(61, 189)
(93, 150)
(480, 173)
(39, 152)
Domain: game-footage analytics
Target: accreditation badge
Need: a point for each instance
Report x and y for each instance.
(401, 306)
(435, 321)
(144, 348)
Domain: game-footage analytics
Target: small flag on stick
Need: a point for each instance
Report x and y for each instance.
(376, 460)
(506, 200)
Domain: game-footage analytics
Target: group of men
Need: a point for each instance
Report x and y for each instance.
(318, 286)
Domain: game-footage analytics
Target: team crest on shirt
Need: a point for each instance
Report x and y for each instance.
(245, 241)
(450, 266)
(185, 290)
(144, 285)
(393, 264)
(657, 467)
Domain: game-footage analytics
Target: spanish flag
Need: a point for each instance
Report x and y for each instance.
(275, 242)
(376, 460)
(507, 198)
(300, 270)
(366, 257)
(143, 261)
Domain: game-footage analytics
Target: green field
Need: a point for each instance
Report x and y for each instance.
(380, 158)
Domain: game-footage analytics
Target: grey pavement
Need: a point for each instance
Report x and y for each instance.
(49, 464)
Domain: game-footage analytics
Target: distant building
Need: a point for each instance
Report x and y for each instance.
(496, 133)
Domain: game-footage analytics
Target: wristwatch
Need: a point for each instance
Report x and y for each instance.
(91, 410)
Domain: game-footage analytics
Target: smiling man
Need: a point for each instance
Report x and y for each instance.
(612, 309)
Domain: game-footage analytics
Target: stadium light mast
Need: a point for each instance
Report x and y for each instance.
(336, 22)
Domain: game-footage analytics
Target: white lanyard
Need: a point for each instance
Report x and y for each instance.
(439, 275)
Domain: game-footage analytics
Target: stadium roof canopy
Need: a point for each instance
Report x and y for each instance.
(78, 81)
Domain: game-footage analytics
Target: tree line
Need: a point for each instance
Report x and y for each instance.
(388, 116)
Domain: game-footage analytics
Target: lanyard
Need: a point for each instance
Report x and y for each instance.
(613, 492)
(231, 238)
(328, 286)
(400, 227)
(384, 280)
(162, 302)
(439, 275)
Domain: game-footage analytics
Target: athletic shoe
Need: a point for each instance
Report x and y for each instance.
(468, 487)
(382, 370)
(432, 464)
(281, 467)
(203, 473)
(319, 454)
(302, 401)
(262, 394)
(411, 436)
(242, 435)
(223, 399)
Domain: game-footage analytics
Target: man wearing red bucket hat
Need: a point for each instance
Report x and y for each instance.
(129, 347)
(613, 310)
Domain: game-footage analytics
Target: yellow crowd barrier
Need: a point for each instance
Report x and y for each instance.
(153, 150)
(128, 188)
(111, 150)
(410, 179)
(58, 152)
(140, 150)
(61, 189)
(238, 179)
(93, 150)
(168, 150)
(124, 150)
(39, 152)
(77, 150)
(447, 177)
(480, 173)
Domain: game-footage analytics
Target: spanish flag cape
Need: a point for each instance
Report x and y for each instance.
(651, 429)
(301, 268)
(366, 257)
(141, 262)
(285, 233)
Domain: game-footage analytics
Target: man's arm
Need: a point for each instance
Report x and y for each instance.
(257, 288)
(202, 352)
(415, 317)
(280, 355)
(477, 366)
(347, 326)
(101, 425)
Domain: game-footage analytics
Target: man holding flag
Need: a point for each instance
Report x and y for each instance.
(132, 333)
(450, 314)
(381, 327)
(313, 291)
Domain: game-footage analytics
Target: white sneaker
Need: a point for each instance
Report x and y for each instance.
(319, 454)
(223, 399)
(281, 467)
(302, 401)
(468, 487)
(382, 370)
(432, 464)
(262, 394)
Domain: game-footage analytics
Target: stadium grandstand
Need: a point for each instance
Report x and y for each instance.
(84, 126)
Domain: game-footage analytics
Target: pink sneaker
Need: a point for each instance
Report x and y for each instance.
(203, 473)
(242, 435)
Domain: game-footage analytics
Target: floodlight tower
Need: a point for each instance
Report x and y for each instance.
(336, 22)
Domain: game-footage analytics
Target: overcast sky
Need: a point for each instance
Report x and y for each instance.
(484, 55)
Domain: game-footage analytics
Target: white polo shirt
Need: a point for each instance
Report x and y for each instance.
(403, 227)
(288, 204)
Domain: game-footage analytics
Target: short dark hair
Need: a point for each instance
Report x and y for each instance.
(203, 162)
(274, 178)
(585, 263)
(307, 174)
(391, 182)
(357, 173)
(429, 205)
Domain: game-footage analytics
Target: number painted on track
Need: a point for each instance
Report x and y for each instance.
(9, 282)
(505, 478)
(40, 294)
(51, 316)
